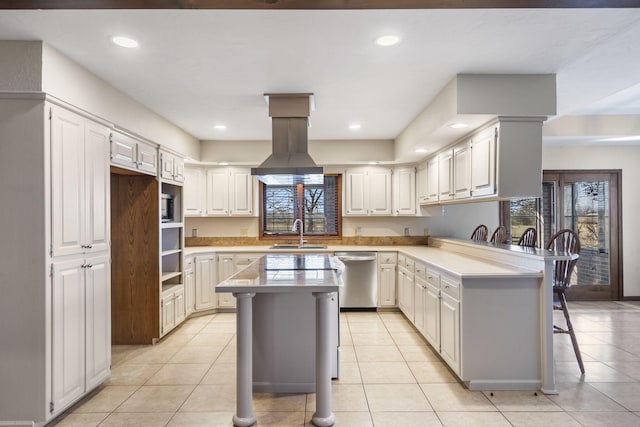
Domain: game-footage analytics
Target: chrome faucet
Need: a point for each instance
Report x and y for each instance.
(298, 223)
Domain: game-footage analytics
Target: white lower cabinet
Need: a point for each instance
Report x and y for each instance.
(173, 310)
(432, 315)
(387, 281)
(205, 281)
(450, 331)
(405, 286)
(189, 286)
(81, 328)
(419, 290)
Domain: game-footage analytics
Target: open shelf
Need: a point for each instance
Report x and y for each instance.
(171, 252)
(167, 275)
(171, 224)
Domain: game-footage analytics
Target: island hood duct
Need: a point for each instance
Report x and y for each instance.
(289, 162)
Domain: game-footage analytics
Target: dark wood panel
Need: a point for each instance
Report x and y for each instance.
(312, 4)
(135, 281)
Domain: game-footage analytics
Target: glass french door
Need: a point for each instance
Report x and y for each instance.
(588, 203)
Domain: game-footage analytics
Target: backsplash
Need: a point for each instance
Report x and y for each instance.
(352, 240)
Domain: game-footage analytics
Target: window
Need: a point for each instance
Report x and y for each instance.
(319, 207)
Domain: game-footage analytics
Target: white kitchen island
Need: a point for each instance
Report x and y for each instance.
(287, 276)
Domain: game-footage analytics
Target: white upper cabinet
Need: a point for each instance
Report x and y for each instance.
(432, 180)
(134, 154)
(80, 184)
(462, 171)
(194, 191)
(421, 182)
(483, 163)
(445, 178)
(229, 192)
(404, 191)
(368, 191)
(172, 167)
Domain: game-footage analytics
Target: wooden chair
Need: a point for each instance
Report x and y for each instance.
(499, 235)
(480, 233)
(565, 241)
(529, 238)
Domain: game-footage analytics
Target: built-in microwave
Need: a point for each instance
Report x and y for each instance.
(166, 207)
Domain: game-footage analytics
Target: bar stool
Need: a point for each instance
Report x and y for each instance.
(499, 235)
(529, 238)
(480, 233)
(565, 241)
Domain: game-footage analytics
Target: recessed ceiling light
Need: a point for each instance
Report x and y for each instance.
(220, 127)
(123, 41)
(223, 163)
(374, 163)
(354, 126)
(458, 125)
(388, 40)
(422, 150)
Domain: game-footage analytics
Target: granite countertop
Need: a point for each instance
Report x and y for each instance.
(278, 273)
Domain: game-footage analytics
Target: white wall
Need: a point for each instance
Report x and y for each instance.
(71, 83)
(625, 158)
(20, 65)
(460, 220)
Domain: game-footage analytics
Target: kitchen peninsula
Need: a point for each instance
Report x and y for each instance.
(486, 309)
(296, 279)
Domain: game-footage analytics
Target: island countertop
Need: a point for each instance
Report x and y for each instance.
(286, 273)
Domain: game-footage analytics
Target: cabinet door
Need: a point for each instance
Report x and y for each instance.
(68, 333)
(419, 289)
(147, 158)
(462, 171)
(97, 188)
(432, 316)
(166, 171)
(123, 151)
(432, 180)
(404, 194)
(445, 168)
(356, 200)
(227, 267)
(379, 188)
(98, 320)
(483, 164)
(450, 332)
(421, 182)
(194, 195)
(387, 278)
(205, 281)
(67, 182)
(178, 169)
(168, 313)
(189, 288)
(218, 192)
(179, 306)
(241, 192)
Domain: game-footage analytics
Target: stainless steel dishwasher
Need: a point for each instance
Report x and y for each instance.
(360, 278)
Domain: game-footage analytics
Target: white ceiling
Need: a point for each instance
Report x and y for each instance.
(198, 68)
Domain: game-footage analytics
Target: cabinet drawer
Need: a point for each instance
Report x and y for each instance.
(188, 263)
(433, 278)
(450, 286)
(387, 258)
(409, 264)
(420, 270)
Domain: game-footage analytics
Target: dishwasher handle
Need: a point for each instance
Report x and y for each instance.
(347, 257)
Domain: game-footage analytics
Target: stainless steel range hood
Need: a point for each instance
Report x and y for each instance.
(289, 162)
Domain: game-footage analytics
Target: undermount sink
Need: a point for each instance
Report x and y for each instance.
(285, 246)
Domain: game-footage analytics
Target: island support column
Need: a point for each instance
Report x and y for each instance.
(244, 416)
(323, 417)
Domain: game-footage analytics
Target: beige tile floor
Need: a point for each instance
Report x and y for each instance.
(390, 377)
